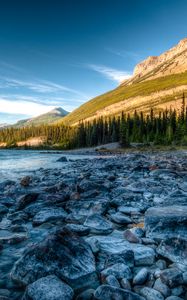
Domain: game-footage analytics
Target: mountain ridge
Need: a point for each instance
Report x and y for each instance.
(165, 80)
(47, 118)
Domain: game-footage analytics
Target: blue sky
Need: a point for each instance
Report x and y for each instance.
(62, 53)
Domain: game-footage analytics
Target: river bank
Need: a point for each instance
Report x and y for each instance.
(95, 228)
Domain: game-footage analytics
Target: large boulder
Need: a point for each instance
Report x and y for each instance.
(114, 246)
(48, 288)
(62, 253)
(175, 249)
(165, 222)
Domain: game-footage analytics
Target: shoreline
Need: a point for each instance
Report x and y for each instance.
(119, 213)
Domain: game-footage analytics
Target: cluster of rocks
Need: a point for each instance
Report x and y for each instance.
(102, 228)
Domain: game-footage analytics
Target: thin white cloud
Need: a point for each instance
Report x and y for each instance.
(124, 54)
(110, 73)
(23, 107)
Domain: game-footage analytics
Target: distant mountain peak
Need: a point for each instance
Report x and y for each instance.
(48, 118)
(58, 111)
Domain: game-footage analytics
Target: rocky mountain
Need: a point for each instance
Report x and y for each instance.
(157, 82)
(47, 118)
(173, 61)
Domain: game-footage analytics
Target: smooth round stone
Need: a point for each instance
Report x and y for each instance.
(119, 218)
(112, 280)
(141, 277)
(128, 210)
(162, 288)
(125, 284)
(131, 237)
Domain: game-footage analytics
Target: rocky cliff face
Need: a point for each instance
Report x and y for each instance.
(172, 61)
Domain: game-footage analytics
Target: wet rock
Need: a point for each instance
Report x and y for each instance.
(112, 280)
(62, 253)
(13, 239)
(151, 294)
(128, 210)
(78, 229)
(107, 292)
(25, 181)
(171, 277)
(185, 277)
(140, 232)
(177, 291)
(174, 249)
(119, 270)
(125, 284)
(7, 201)
(174, 298)
(120, 218)
(49, 215)
(86, 295)
(161, 264)
(26, 199)
(165, 222)
(97, 224)
(162, 288)
(62, 159)
(48, 288)
(131, 237)
(3, 209)
(141, 277)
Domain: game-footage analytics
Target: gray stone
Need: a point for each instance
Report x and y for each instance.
(131, 237)
(112, 245)
(86, 295)
(49, 215)
(97, 224)
(119, 270)
(48, 288)
(165, 222)
(120, 218)
(125, 284)
(78, 229)
(174, 249)
(128, 210)
(185, 277)
(177, 291)
(141, 277)
(62, 253)
(26, 199)
(171, 277)
(62, 159)
(112, 280)
(151, 294)
(162, 288)
(174, 298)
(107, 292)
(161, 264)
(3, 209)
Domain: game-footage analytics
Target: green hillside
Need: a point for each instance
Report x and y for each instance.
(124, 93)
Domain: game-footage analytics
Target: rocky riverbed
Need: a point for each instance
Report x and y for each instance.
(102, 228)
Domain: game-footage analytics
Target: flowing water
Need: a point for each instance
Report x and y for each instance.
(14, 163)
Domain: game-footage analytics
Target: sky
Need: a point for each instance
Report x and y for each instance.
(62, 53)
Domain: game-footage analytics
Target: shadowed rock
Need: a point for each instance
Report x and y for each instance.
(48, 288)
(63, 254)
(107, 292)
(164, 222)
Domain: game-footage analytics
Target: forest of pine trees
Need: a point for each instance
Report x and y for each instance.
(165, 128)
